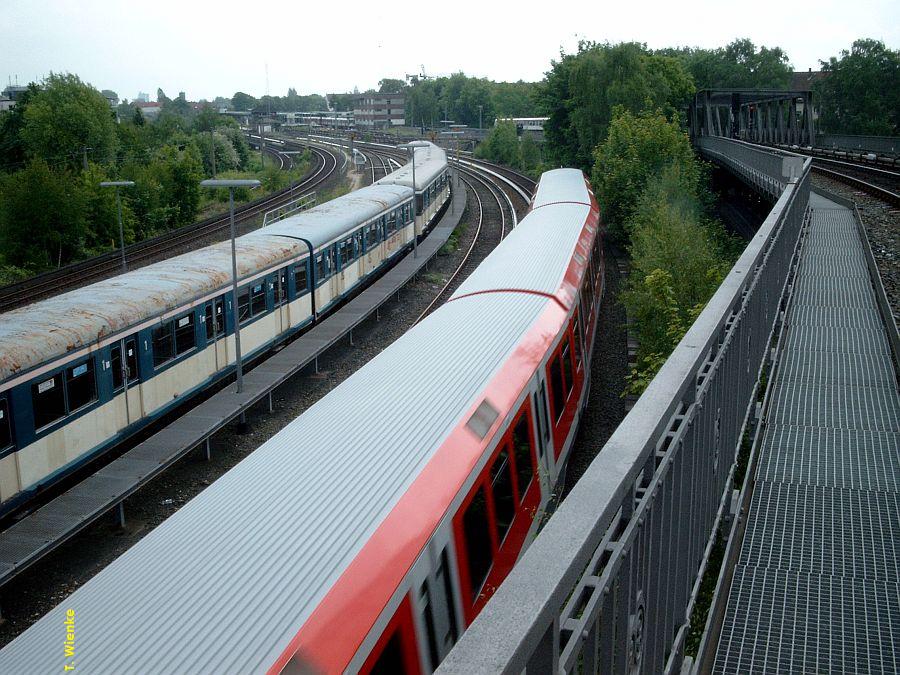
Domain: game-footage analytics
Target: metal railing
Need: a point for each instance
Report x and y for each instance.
(889, 145)
(301, 203)
(610, 582)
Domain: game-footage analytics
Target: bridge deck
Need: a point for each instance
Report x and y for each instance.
(816, 587)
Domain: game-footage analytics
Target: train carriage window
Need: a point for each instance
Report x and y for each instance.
(49, 400)
(208, 321)
(243, 304)
(576, 321)
(371, 236)
(257, 300)
(81, 388)
(443, 576)
(557, 395)
(523, 455)
(342, 253)
(321, 263)
(115, 364)
(5, 428)
(390, 661)
(428, 616)
(332, 259)
(504, 502)
(567, 366)
(300, 282)
(280, 287)
(131, 362)
(478, 541)
(545, 427)
(185, 336)
(163, 344)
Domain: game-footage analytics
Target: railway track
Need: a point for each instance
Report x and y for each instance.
(879, 183)
(166, 245)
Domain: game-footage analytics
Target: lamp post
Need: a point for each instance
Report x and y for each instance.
(480, 110)
(231, 185)
(411, 146)
(117, 184)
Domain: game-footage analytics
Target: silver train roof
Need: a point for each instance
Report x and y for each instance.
(264, 543)
(430, 162)
(260, 547)
(561, 185)
(53, 327)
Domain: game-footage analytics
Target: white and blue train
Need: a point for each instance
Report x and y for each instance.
(82, 371)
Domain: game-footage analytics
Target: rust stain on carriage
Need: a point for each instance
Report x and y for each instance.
(53, 328)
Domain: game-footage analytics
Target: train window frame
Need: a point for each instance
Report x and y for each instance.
(473, 540)
(131, 359)
(74, 374)
(161, 334)
(502, 470)
(7, 433)
(117, 371)
(568, 365)
(39, 389)
(185, 333)
(545, 412)
(301, 268)
(280, 287)
(243, 305)
(523, 424)
(258, 301)
(557, 388)
(578, 344)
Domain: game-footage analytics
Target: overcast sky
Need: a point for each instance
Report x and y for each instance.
(216, 48)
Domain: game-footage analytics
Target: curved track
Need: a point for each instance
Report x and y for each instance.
(166, 245)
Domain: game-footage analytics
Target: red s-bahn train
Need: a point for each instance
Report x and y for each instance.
(368, 533)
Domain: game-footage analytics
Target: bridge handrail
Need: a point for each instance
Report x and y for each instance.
(610, 582)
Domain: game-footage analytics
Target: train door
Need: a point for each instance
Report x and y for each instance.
(543, 436)
(126, 377)
(280, 296)
(395, 653)
(437, 613)
(214, 321)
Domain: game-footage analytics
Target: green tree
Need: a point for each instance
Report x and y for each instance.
(529, 155)
(101, 216)
(242, 101)
(390, 86)
(737, 65)
(861, 93)
(677, 263)
(41, 233)
(501, 145)
(637, 148)
(581, 91)
(138, 118)
(12, 121)
(64, 118)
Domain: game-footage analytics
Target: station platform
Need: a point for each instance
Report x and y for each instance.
(41, 531)
(816, 587)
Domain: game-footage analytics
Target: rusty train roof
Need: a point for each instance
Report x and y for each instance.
(45, 330)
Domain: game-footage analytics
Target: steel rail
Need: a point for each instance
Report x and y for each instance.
(81, 273)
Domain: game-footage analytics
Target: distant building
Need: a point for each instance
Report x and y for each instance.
(378, 111)
(150, 109)
(142, 97)
(6, 103)
(14, 91)
(804, 80)
(112, 97)
(534, 126)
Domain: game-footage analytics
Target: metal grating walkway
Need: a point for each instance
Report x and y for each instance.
(816, 586)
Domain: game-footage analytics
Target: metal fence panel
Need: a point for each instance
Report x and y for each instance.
(609, 584)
